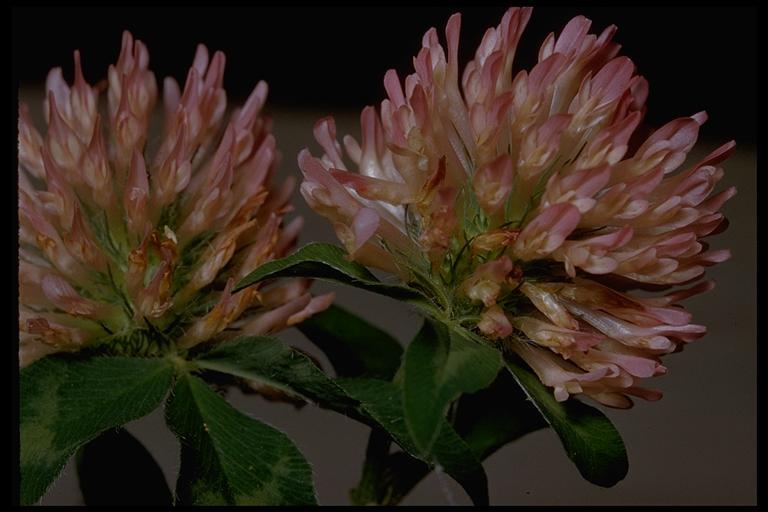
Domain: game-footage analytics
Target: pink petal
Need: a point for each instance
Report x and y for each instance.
(364, 226)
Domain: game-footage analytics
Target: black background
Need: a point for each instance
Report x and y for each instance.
(328, 57)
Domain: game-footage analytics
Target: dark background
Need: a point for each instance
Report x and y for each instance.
(695, 57)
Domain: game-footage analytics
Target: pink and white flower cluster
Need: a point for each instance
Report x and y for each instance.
(524, 194)
(135, 236)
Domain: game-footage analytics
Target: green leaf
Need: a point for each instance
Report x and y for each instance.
(495, 416)
(590, 439)
(116, 469)
(66, 402)
(486, 420)
(354, 347)
(383, 402)
(440, 364)
(329, 262)
(228, 458)
(387, 477)
(402, 473)
(376, 475)
(269, 361)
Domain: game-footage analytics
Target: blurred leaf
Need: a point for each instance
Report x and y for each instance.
(116, 469)
(588, 436)
(355, 347)
(329, 263)
(440, 364)
(383, 402)
(269, 361)
(228, 458)
(66, 402)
